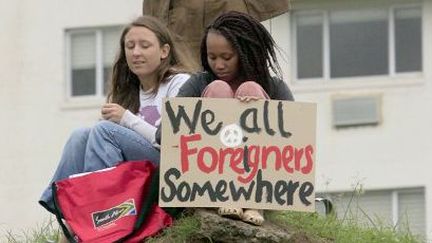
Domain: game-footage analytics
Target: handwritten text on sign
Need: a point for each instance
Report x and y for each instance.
(222, 152)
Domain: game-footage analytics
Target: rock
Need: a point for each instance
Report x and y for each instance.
(220, 229)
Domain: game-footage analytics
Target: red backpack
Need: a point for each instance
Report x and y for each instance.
(117, 204)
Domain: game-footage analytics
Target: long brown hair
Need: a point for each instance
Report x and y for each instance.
(125, 85)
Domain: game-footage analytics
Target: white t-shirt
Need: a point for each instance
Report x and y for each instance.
(147, 119)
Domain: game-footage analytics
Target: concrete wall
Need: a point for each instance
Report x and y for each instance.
(36, 118)
(395, 154)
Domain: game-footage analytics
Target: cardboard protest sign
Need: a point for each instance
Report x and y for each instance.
(223, 152)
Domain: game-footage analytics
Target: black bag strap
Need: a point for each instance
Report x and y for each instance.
(59, 215)
(148, 201)
(173, 212)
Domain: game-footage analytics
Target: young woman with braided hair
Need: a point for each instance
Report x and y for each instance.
(237, 54)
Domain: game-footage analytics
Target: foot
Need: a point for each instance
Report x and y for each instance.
(253, 216)
(235, 213)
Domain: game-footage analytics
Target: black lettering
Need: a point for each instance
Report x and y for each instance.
(241, 191)
(185, 192)
(245, 159)
(176, 118)
(185, 189)
(268, 129)
(243, 119)
(260, 185)
(292, 187)
(171, 185)
(205, 123)
(306, 190)
(221, 188)
(281, 122)
(280, 190)
(200, 190)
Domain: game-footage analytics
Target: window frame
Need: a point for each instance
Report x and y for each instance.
(327, 82)
(394, 198)
(99, 63)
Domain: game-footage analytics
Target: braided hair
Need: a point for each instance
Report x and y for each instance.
(253, 43)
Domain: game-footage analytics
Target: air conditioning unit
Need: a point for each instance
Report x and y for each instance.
(356, 110)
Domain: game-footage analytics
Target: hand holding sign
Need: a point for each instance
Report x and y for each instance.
(248, 99)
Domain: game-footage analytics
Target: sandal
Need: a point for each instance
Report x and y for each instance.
(234, 213)
(253, 216)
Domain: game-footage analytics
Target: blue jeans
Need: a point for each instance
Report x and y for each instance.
(103, 146)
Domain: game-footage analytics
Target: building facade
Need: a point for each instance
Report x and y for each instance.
(367, 64)
(39, 112)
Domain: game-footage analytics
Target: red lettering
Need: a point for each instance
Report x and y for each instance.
(185, 151)
(288, 155)
(235, 159)
(265, 154)
(214, 159)
(209, 159)
(298, 154)
(309, 160)
(253, 162)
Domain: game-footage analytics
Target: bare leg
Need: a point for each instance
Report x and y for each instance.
(221, 89)
(253, 89)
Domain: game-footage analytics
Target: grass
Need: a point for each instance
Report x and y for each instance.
(316, 227)
(183, 230)
(44, 233)
(331, 229)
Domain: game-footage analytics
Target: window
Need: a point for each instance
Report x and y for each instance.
(91, 53)
(402, 208)
(357, 42)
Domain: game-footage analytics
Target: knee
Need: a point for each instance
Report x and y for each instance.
(79, 136)
(251, 88)
(249, 85)
(219, 85)
(105, 129)
(101, 129)
(103, 126)
(218, 89)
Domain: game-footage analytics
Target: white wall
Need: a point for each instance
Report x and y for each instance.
(395, 154)
(37, 119)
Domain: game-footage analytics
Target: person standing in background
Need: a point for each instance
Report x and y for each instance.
(189, 18)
